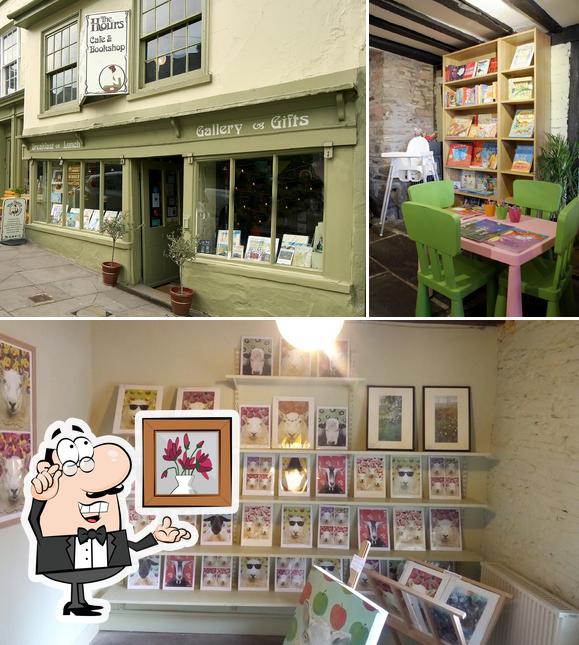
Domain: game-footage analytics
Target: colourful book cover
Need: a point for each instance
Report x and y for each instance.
(521, 88)
(483, 230)
(517, 240)
(485, 184)
(450, 98)
(477, 159)
(460, 70)
(523, 56)
(493, 65)
(489, 155)
(482, 67)
(469, 69)
(468, 180)
(487, 126)
(459, 154)
(459, 126)
(523, 161)
(523, 124)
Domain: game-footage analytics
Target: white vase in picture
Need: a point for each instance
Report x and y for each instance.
(184, 485)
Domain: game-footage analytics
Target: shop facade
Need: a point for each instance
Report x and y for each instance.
(265, 168)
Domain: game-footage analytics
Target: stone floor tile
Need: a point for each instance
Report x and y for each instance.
(16, 280)
(66, 272)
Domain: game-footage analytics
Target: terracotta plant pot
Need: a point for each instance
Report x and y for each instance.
(111, 272)
(181, 300)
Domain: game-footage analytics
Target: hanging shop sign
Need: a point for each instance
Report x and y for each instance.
(104, 54)
(13, 215)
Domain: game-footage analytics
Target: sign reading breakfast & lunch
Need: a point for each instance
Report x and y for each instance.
(104, 54)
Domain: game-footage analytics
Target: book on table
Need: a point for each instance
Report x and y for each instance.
(516, 240)
(523, 159)
(467, 211)
(483, 230)
(523, 124)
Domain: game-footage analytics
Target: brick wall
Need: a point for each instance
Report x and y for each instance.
(401, 99)
(534, 486)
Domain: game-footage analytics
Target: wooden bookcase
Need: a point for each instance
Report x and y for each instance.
(504, 109)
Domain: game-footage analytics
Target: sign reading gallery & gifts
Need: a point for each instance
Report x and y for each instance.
(104, 54)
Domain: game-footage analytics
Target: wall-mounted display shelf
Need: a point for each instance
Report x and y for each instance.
(503, 109)
(364, 501)
(242, 379)
(369, 453)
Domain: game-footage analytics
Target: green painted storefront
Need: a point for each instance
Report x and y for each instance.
(155, 167)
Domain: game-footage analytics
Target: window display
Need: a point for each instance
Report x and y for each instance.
(39, 209)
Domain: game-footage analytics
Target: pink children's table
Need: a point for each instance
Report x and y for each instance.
(514, 259)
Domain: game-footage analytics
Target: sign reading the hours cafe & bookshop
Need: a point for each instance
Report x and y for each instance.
(104, 58)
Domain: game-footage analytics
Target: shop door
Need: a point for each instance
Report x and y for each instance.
(161, 185)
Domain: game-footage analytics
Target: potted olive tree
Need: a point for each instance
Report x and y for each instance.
(115, 228)
(181, 249)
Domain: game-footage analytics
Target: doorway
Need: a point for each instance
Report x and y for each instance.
(162, 214)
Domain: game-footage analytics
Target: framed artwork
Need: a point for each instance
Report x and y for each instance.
(446, 412)
(148, 575)
(294, 475)
(390, 418)
(217, 529)
(253, 574)
(337, 362)
(257, 525)
(187, 461)
(293, 422)
(293, 361)
(405, 477)
(478, 603)
(445, 529)
(17, 423)
(409, 533)
(370, 476)
(426, 581)
(334, 527)
(444, 478)
(256, 356)
(179, 573)
(331, 565)
(255, 421)
(331, 475)
(374, 527)
(197, 398)
(331, 428)
(290, 574)
(132, 399)
(216, 573)
(258, 474)
(296, 526)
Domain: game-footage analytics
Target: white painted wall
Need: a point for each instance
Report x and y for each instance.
(560, 81)
(64, 379)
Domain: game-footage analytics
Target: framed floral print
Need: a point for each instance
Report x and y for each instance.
(446, 412)
(132, 399)
(390, 417)
(197, 398)
(17, 423)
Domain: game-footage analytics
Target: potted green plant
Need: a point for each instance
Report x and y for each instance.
(181, 249)
(115, 228)
(559, 163)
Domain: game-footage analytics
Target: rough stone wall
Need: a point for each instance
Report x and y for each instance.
(533, 487)
(401, 99)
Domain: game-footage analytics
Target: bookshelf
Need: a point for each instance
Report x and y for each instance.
(503, 109)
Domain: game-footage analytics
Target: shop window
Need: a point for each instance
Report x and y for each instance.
(41, 192)
(92, 184)
(56, 193)
(113, 194)
(60, 60)
(171, 37)
(10, 59)
(72, 219)
(296, 214)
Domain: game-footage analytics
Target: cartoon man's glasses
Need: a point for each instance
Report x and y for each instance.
(70, 468)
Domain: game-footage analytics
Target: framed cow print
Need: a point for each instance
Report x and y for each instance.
(390, 418)
(331, 475)
(446, 413)
(331, 428)
(197, 398)
(132, 399)
(256, 356)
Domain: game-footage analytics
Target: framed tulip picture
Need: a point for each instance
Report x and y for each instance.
(188, 460)
(446, 412)
(132, 399)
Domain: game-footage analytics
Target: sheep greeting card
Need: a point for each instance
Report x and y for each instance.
(331, 612)
(216, 573)
(217, 529)
(409, 533)
(253, 574)
(445, 529)
(255, 426)
(296, 526)
(290, 574)
(256, 526)
(334, 527)
(293, 422)
(258, 474)
(370, 476)
(444, 478)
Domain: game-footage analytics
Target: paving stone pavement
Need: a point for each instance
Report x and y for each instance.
(61, 288)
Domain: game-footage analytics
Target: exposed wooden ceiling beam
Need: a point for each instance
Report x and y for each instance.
(567, 35)
(409, 33)
(467, 40)
(404, 50)
(473, 13)
(536, 13)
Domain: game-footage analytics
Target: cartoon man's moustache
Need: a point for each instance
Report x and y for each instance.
(101, 493)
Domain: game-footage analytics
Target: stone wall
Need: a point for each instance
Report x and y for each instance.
(401, 99)
(534, 526)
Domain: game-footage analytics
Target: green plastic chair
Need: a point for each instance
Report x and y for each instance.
(537, 198)
(433, 193)
(550, 278)
(442, 266)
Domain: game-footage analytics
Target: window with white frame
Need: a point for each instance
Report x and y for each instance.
(243, 203)
(61, 53)
(10, 59)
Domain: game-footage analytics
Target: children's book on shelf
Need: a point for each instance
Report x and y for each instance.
(482, 67)
(484, 126)
(521, 88)
(523, 56)
(468, 180)
(483, 230)
(449, 98)
(460, 72)
(459, 154)
(469, 69)
(523, 124)
(523, 160)
(487, 93)
(489, 155)
(493, 65)
(460, 126)
(485, 184)
(516, 240)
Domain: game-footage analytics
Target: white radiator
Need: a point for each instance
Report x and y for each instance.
(534, 616)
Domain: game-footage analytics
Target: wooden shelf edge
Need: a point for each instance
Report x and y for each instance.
(409, 453)
(475, 106)
(364, 501)
(476, 80)
(474, 168)
(306, 380)
(470, 138)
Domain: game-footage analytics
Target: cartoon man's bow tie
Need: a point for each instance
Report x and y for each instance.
(100, 535)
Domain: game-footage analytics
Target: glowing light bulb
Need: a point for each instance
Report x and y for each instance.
(311, 334)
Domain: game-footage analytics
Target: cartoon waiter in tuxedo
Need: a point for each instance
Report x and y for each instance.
(75, 516)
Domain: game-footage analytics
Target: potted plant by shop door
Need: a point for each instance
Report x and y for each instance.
(115, 228)
(181, 249)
